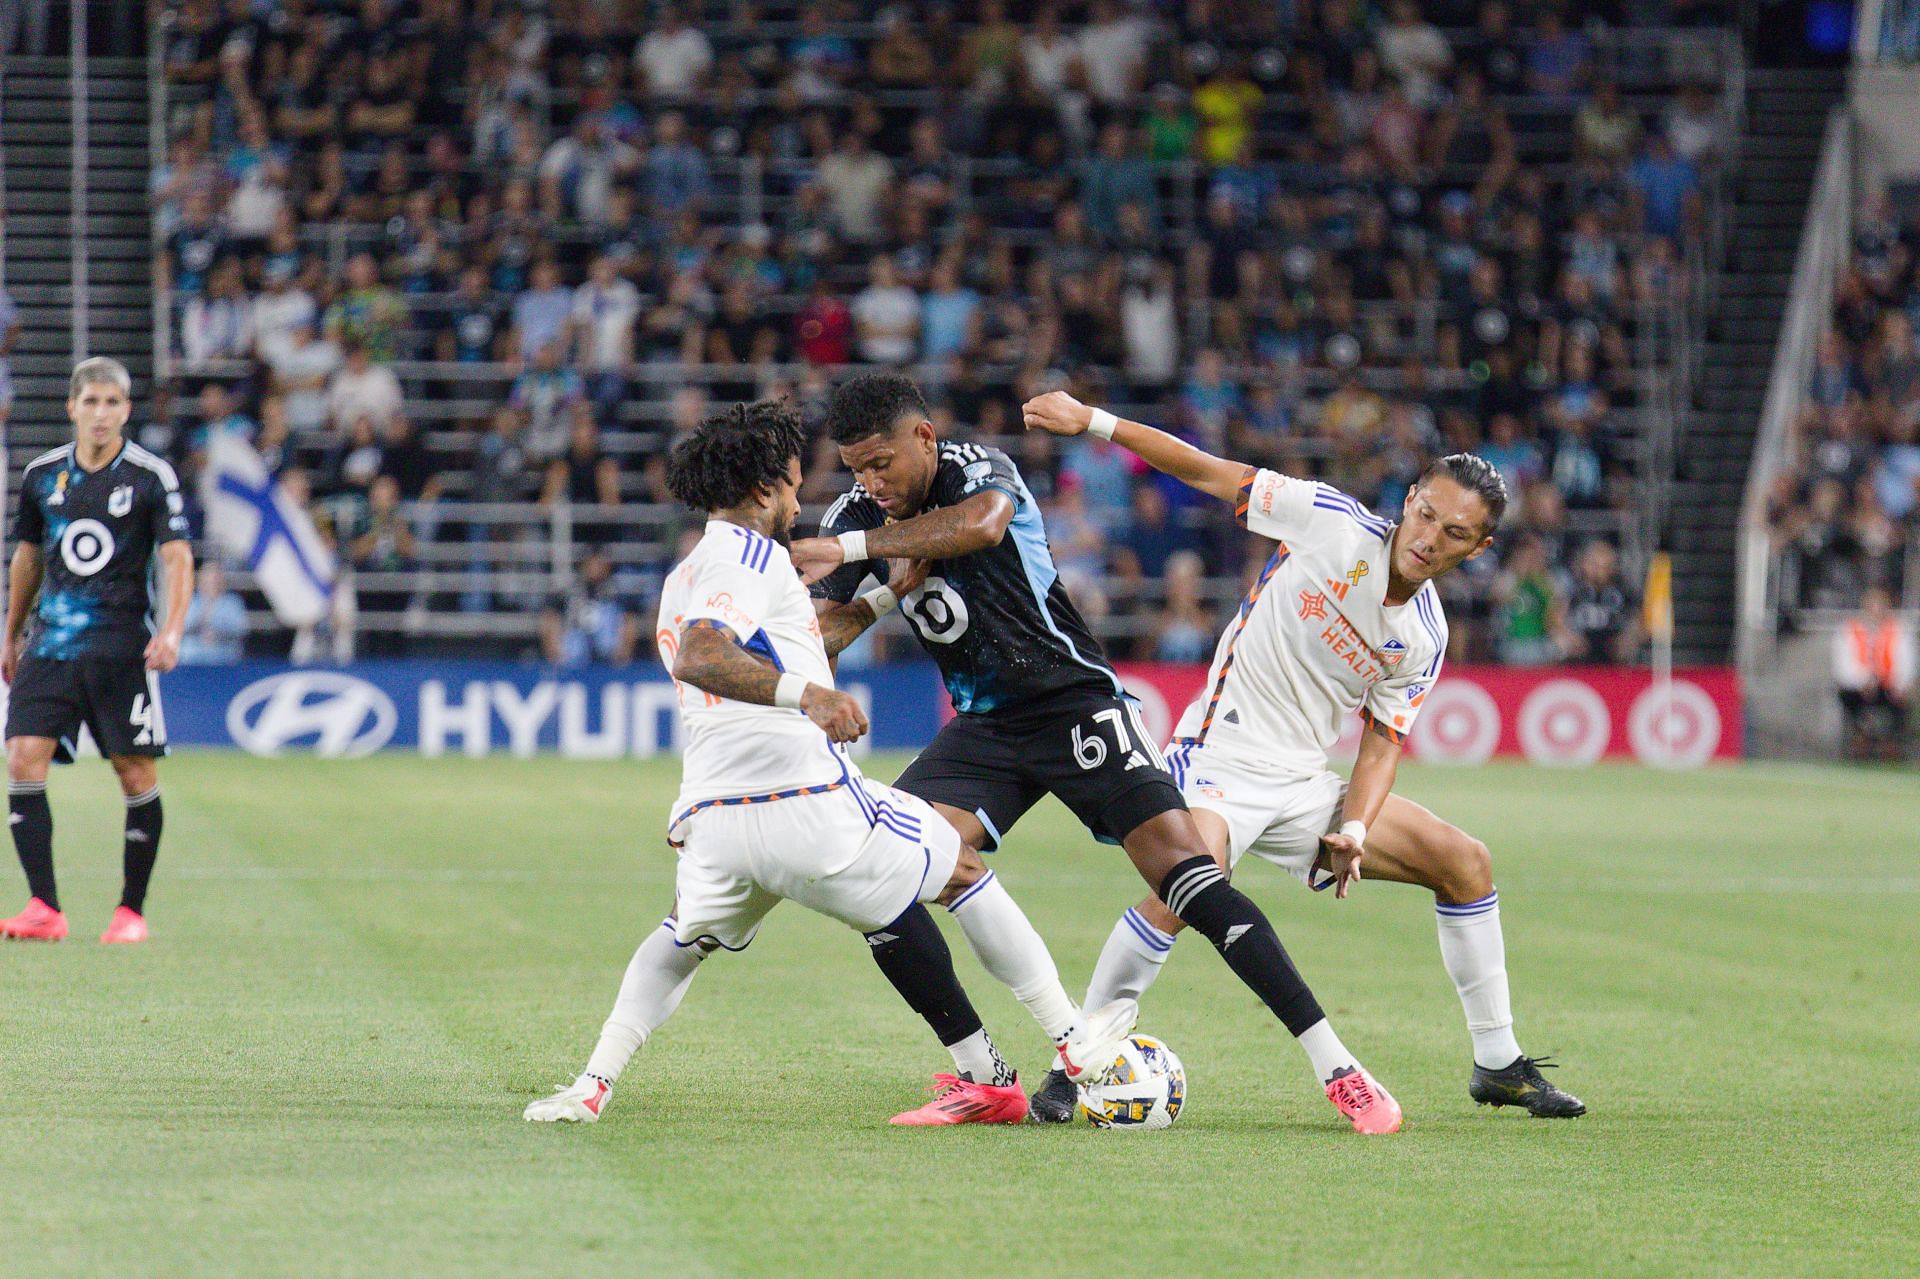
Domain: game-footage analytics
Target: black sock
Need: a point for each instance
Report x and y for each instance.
(32, 820)
(142, 847)
(915, 958)
(1200, 895)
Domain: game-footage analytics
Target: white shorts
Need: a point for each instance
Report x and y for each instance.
(1279, 816)
(861, 853)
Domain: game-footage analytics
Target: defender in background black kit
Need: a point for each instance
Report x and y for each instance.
(82, 646)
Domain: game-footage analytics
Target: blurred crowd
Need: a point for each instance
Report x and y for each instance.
(1846, 515)
(1324, 235)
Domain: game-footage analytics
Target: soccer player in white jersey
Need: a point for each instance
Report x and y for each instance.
(770, 806)
(1343, 618)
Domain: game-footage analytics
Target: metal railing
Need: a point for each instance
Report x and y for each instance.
(1824, 238)
(489, 570)
(157, 155)
(77, 72)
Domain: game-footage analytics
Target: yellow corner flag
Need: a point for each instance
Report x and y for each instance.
(1659, 598)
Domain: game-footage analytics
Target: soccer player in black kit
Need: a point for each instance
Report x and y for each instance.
(1039, 708)
(81, 645)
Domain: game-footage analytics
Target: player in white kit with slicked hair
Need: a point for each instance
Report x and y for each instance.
(1343, 618)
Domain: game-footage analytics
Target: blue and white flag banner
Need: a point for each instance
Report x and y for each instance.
(250, 517)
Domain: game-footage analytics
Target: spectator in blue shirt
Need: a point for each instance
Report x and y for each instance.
(541, 314)
(1114, 178)
(676, 176)
(1896, 481)
(1558, 62)
(949, 314)
(216, 621)
(1666, 187)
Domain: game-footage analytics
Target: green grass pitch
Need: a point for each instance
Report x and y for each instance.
(364, 969)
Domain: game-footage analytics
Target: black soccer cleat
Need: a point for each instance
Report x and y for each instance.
(1055, 1101)
(1522, 1084)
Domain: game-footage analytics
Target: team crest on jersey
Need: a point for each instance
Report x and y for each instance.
(121, 501)
(1393, 650)
(1416, 694)
(977, 473)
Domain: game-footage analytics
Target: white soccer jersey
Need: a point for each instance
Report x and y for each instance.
(1314, 640)
(745, 583)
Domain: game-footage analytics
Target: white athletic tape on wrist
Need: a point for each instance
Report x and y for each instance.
(882, 601)
(1356, 831)
(853, 546)
(1102, 424)
(789, 690)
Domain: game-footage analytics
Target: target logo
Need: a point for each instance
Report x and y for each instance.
(1564, 723)
(1677, 730)
(1460, 724)
(86, 546)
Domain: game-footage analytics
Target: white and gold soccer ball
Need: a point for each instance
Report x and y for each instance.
(1145, 1086)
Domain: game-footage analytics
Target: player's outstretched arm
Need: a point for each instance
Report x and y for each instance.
(23, 584)
(1058, 413)
(711, 662)
(943, 534)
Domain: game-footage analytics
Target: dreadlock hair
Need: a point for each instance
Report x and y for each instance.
(870, 404)
(718, 466)
(1476, 475)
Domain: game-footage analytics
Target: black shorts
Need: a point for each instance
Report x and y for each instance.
(1085, 746)
(118, 699)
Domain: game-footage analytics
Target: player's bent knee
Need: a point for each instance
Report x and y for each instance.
(967, 871)
(1469, 873)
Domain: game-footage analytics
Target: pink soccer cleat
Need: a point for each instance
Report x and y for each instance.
(961, 1101)
(1358, 1096)
(128, 926)
(38, 922)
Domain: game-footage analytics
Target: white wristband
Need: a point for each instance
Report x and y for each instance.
(1356, 831)
(853, 546)
(882, 601)
(788, 691)
(1102, 424)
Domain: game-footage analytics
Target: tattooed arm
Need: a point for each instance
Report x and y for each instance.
(710, 661)
(842, 624)
(943, 534)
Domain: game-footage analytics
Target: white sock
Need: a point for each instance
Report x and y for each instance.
(1325, 1050)
(657, 976)
(977, 1059)
(1133, 956)
(1475, 954)
(1010, 949)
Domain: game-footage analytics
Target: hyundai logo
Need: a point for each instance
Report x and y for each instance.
(334, 715)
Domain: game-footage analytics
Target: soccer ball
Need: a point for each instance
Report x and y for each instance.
(1144, 1087)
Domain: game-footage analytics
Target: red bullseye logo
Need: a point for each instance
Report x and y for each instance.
(1460, 724)
(1677, 730)
(1564, 723)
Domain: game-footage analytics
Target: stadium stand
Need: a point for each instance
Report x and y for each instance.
(1847, 514)
(484, 258)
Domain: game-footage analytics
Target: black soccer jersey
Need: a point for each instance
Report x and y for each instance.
(997, 622)
(97, 532)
